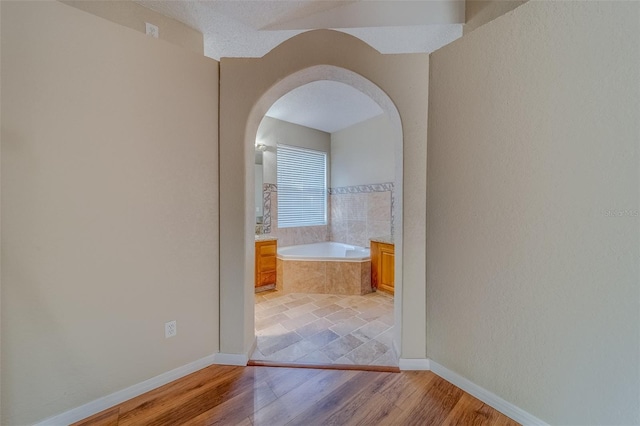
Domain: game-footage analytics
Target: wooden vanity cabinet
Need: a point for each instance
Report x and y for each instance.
(382, 266)
(266, 262)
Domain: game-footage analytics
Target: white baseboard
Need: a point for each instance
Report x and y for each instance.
(230, 359)
(123, 395)
(491, 399)
(414, 364)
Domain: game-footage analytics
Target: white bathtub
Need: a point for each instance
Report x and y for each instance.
(325, 251)
(326, 268)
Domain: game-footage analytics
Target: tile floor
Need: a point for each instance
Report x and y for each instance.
(324, 329)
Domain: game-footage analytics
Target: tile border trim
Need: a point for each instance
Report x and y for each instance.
(269, 188)
(362, 189)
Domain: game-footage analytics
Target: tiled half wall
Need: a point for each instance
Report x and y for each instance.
(356, 213)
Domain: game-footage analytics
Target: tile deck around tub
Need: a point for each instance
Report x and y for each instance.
(324, 329)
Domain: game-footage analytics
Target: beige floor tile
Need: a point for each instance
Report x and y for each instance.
(324, 328)
(316, 357)
(299, 321)
(301, 310)
(298, 302)
(373, 313)
(313, 328)
(263, 323)
(272, 295)
(292, 352)
(341, 346)
(273, 344)
(387, 359)
(370, 330)
(386, 337)
(273, 331)
(387, 319)
(341, 315)
(323, 338)
(367, 353)
(278, 309)
(329, 300)
(345, 327)
(327, 310)
(343, 361)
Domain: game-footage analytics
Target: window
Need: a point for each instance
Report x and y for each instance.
(302, 187)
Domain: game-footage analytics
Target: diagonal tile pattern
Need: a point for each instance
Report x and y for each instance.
(324, 328)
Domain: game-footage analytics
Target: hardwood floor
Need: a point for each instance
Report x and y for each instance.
(275, 396)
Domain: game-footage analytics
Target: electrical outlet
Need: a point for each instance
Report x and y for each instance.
(152, 30)
(170, 329)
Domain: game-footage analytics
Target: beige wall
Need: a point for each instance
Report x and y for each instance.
(479, 12)
(533, 228)
(363, 153)
(272, 132)
(248, 87)
(134, 16)
(109, 208)
(0, 224)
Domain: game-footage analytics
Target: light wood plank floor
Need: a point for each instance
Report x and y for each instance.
(275, 396)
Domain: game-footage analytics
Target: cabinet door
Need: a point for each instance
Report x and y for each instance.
(387, 266)
(265, 269)
(374, 264)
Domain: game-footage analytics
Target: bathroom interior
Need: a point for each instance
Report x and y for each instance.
(324, 273)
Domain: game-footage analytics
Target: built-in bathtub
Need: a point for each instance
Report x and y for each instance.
(325, 268)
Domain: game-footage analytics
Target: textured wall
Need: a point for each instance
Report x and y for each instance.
(272, 132)
(479, 12)
(363, 153)
(533, 281)
(134, 16)
(109, 208)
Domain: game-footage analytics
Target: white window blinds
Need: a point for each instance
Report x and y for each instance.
(302, 187)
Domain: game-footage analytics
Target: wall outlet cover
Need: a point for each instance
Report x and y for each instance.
(152, 30)
(170, 329)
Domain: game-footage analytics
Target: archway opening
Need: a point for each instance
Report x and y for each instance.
(391, 115)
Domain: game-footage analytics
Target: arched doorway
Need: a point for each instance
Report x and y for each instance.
(247, 88)
(341, 75)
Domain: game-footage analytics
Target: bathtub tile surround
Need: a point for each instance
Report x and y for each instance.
(324, 268)
(361, 212)
(344, 277)
(301, 235)
(324, 277)
(324, 329)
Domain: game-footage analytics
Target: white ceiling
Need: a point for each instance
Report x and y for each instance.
(251, 28)
(325, 105)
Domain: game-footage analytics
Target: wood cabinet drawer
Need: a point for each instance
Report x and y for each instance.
(268, 250)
